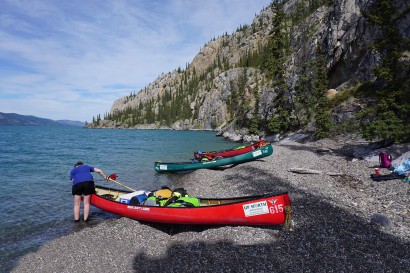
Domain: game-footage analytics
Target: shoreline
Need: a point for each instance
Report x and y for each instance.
(344, 223)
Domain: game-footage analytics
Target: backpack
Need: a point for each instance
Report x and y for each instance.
(385, 160)
(151, 201)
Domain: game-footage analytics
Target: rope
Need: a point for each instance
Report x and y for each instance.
(288, 218)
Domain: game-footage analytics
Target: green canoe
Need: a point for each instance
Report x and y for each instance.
(163, 167)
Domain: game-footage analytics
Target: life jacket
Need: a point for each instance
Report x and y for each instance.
(259, 144)
(385, 160)
(152, 201)
(158, 197)
(179, 192)
(206, 157)
(186, 201)
(163, 193)
(168, 198)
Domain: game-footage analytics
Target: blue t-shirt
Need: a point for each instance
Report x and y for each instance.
(81, 173)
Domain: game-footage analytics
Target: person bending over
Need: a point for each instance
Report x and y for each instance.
(83, 186)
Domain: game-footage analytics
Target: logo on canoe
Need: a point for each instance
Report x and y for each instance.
(138, 208)
(256, 153)
(257, 208)
(273, 202)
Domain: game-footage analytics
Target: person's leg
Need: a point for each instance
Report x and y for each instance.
(86, 206)
(77, 205)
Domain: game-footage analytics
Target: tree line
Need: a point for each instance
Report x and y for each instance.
(385, 117)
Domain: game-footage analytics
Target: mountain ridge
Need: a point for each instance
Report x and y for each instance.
(296, 68)
(13, 119)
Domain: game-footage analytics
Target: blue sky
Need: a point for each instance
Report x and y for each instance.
(73, 59)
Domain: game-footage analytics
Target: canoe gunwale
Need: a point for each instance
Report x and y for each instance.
(241, 199)
(233, 151)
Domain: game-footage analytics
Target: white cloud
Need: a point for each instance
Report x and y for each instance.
(72, 59)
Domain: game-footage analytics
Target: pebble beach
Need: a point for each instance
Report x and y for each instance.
(343, 221)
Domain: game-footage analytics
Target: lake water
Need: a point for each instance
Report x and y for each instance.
(35, 161)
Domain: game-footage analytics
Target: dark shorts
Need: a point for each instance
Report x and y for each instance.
(83, 188)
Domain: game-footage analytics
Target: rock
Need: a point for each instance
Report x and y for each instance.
(250, 138)
(380, 220)
(298, 137)
(235, 137)
(272, 138)
(331, 93)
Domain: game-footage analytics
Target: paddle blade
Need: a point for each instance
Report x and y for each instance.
(113, 176)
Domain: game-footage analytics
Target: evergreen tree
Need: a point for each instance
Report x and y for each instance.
(241, 108)
(233, 99)
(387, 114)
(273, 64)
(323, 119)
(255, 121)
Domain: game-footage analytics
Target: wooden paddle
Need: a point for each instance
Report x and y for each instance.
(110, 178)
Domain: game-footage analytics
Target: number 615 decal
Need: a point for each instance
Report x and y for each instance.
(276, 209)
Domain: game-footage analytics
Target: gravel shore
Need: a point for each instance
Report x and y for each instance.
(342, 222)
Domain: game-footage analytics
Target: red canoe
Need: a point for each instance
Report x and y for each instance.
(266, 209)
(231, 152)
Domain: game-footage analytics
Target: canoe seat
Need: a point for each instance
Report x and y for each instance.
(111, 195)
(214, 202)
(108, 196)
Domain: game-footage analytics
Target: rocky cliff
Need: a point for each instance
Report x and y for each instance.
(337, 27)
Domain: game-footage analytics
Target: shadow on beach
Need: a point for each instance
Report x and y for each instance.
(348, 151)
(325, 238)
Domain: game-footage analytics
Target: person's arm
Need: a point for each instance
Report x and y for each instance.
(100, 173)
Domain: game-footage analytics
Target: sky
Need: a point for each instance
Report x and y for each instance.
(72, 59)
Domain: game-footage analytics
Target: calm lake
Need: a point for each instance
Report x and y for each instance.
(35, 161)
